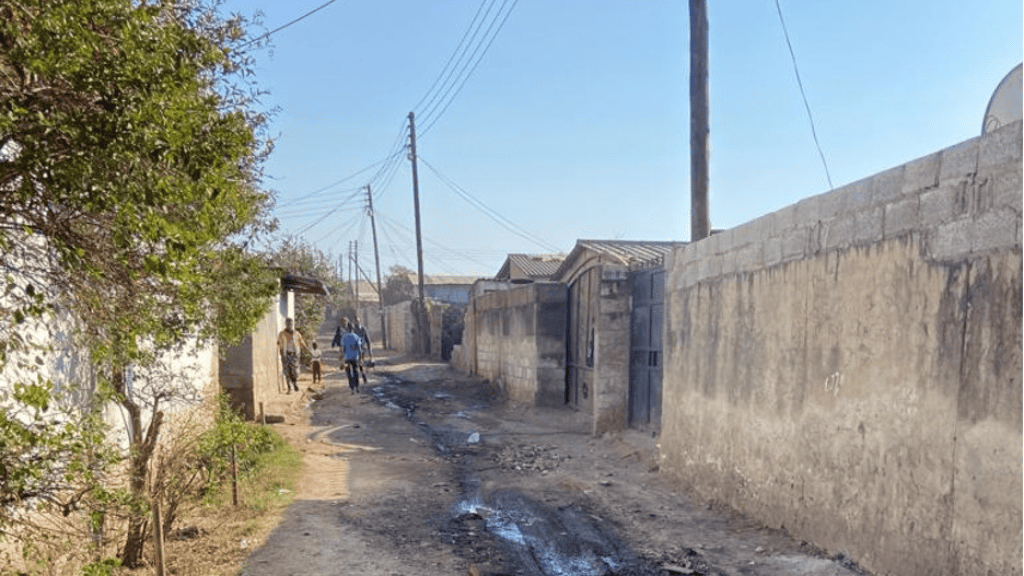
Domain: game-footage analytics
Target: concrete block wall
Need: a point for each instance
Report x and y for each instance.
(251, 372)
(849, 367)
(611, 352)
(518, 339)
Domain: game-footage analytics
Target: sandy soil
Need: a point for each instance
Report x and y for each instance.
(377, 496)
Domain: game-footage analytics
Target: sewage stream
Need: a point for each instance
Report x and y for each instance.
(540, 540)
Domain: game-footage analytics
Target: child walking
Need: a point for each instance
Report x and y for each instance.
(316, 364)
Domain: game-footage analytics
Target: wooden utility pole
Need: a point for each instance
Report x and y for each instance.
(700, 223)
(376, 261)
(421, 315)
(355, 267)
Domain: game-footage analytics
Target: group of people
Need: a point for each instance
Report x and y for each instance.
(353, 341)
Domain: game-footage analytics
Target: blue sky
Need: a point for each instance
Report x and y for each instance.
(575, 122)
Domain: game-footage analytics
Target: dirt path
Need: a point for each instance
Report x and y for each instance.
(430, 473)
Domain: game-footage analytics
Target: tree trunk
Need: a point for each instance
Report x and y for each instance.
(140, 451)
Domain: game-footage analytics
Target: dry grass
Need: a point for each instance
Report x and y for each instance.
(226, 534)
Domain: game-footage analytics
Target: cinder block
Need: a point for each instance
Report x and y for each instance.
(772, 251)
(867, 225)
(994, 230)
(1002, 187)
(744, 234)
(808, 211)
(887, 186)
(1001, 147)
(830, 205)
(853, 197)
(937, 206)
(818, 238)
(959, 161)
(710, 267)
(951, 240)
(922, 173)
(761, 228)
(902, 216)
(713, 244)
(700, 249)
(784, 220)
(794, 244)
(689, 275)
(749, 258)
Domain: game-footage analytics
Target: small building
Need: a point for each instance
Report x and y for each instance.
(251, 371)
(615, 293)
(588, 337)
(531, 267)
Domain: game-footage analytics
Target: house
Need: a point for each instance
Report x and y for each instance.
(587, 337)
(529, 267)
(614, 303)
(251, 371)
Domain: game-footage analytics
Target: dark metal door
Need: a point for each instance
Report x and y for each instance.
(648, 289)
(580, 340)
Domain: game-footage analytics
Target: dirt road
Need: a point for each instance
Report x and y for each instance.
(427, 472)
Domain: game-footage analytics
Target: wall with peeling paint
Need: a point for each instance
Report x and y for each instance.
(849, 367)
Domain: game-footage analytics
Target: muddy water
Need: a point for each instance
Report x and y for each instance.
(537, 539)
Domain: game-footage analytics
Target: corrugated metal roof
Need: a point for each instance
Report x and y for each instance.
(535, 266)
(625, 252)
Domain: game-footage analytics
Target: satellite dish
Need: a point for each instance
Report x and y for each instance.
(1005, 105)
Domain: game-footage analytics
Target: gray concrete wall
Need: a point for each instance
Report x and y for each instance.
(251, 372)
(849, 367)
(611, 351)
(517, 340)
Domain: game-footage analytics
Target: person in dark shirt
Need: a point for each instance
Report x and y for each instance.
(351, 354)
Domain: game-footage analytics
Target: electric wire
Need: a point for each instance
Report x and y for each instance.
(803, 95)
(452, 57)
(490, 212)
(452, 251)
(279, 28)
(430, 123)
(432, 104)
(324, 217)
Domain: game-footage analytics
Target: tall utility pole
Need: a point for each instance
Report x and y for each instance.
(419, 240)
(355, 268)
(700, 223)
(376, 261)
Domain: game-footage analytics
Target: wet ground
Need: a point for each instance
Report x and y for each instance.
(438, 474)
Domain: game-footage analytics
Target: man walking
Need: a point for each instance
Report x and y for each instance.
(351, 350)
(289, 345)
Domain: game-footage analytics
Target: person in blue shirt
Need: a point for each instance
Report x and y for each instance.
(351, 354)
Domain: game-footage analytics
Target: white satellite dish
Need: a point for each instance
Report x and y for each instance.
(1005, 105)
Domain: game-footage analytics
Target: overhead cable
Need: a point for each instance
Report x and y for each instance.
(490, 212)
(807, 106)
(429, 122)
(279, 28)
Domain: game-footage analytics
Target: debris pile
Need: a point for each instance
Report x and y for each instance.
(528, 458)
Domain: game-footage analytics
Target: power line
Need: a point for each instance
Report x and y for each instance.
(452, 57)
(279, 28)
(490, 212)
(803, 95)
(430, 124)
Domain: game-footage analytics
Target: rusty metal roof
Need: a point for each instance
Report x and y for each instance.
(535, 266)
(632, 253)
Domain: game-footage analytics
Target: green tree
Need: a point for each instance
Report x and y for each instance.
(398, 286)
(295, 255)
(130, 167)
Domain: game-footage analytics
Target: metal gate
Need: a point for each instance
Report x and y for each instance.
(580, 342)
(648, 289)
